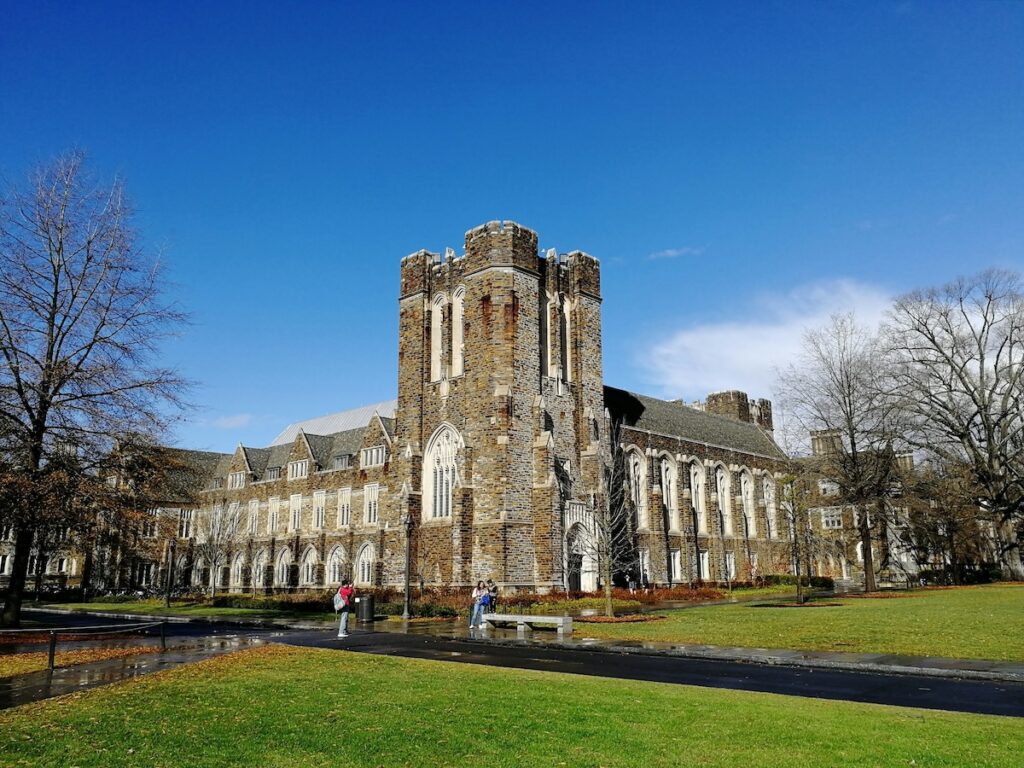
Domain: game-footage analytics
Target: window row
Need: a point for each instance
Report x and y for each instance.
(298, 470)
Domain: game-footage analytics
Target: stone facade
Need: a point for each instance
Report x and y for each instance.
(493, 455)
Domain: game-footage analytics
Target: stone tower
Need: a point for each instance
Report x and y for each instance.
(498, 427)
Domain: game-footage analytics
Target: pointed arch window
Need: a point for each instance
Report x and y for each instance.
(309, 566)
(747, 499)
(770, 512)
(458, 346)
(722, 490)
(336, 565)
(667, 469)
(440, 472)
(637, 481)
(436, 338)
(364, 566)
(697, 496)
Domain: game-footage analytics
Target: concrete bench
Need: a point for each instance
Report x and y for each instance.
(562, 623)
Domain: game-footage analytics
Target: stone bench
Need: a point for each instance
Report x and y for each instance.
(562, 623)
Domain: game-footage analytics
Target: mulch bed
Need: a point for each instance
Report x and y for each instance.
(633, 618)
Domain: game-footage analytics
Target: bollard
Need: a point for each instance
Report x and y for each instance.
(53, 650)
(163, 636)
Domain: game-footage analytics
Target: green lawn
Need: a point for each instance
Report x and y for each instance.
(278, 706)
(984, 622)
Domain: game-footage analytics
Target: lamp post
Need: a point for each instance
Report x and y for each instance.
(408, 522)
(171, 553)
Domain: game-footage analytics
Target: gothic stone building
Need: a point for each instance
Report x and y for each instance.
(494, 454)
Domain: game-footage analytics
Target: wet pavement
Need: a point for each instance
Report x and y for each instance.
(903, 681)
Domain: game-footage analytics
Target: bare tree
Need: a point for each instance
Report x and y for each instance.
(957, 357)
(833, 393)
(218, 533)
(81, 317)
(607, 537)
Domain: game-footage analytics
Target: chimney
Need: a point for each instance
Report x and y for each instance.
(734, 404)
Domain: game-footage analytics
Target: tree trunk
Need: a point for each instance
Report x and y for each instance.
(19, 575)
(1009, 553)
(868, 557)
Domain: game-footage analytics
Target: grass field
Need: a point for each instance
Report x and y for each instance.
(157, 608)
(985, 622)
(278, 706)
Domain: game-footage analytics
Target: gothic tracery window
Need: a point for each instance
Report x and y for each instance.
(440, 471)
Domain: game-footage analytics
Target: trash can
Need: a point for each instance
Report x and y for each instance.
(364, 608)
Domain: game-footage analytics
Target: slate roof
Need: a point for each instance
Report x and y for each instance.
(190, 471)
(338, 422)
(678, 420)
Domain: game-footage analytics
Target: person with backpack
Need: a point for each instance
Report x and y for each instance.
(343, 605)
(480, 595)
(492, 593)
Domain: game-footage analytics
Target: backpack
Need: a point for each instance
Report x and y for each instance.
(339, 601)
(485, 599)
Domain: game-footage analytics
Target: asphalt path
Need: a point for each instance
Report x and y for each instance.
(976, 696)
(927, 692)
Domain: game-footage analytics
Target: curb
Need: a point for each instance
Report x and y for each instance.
(766, 660)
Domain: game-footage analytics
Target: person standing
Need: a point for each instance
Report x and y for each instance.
(345, 595)
(476, 616)
(492, 592)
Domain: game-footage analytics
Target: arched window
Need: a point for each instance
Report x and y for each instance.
(723, 489)
(697, 496)
(259, 567)
(364, 566)
(636, 467)
(440, 473)
(309, 564)
(238, 570)
(436, 337)
(284, 568)
(336, 565)
(667, 469)
(458, 351)
(770, 511)
(747, 499)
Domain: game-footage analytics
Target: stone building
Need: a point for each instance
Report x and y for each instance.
(493, 457)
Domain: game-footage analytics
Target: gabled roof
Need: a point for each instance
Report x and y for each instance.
(678, 420)
(355, 418)
(189, 471)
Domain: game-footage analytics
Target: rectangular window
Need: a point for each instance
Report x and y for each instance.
(254, 516)
(3, 564)
(62, 565)
(704, 559)
(370, 502)
(274, 473)
(676, 565)
(7, 533)
(730, 564)
(185, 524)
(298, 469)
(273, 510)
(234, 511)
(319, 508)
(344, 461)
(236, 480)
(218, 482)
(372, 457)
(295, 507)
(832, 518)
(149, 522)
(645, 567)
(344, 507)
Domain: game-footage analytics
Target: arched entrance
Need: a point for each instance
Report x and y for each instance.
(581, 564)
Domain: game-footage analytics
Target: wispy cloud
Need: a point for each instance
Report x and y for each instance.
(674, 253)
(745, 354)
(235, 421)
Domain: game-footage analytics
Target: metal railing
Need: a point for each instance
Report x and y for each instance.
(101, 629)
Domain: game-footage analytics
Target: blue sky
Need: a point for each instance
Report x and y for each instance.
(741, 169)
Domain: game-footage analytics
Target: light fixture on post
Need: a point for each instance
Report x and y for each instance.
(407, 521)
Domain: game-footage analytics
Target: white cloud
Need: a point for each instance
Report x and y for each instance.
(745, 354)
(673, 253)
(236, 421)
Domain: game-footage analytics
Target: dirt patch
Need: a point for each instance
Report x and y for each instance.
(633, 618)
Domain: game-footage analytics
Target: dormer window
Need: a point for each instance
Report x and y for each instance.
(218, 482)
(274, 473)
(236, 480)
(373, 457)
(344, 461)
(298, 469)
